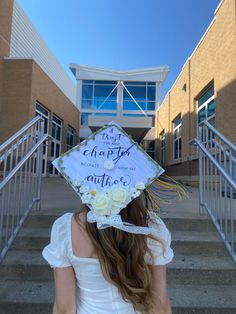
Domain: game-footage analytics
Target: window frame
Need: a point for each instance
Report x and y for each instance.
(144, 102)
(205, 105)
(70, 131)
(162, 137)
(95, 83)
(177, 128)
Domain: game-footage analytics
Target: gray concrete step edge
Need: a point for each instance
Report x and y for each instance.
(46, 220)
(186, 297)
(192, 269)
(182, 241)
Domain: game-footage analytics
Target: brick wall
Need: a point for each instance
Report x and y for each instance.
(24, 84)
(214, 60)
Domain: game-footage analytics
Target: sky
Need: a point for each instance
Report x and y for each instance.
(124, 34)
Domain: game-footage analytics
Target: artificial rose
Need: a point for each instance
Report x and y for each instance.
(76, 183)
(84, 189)
(120, 197)
(86, 198)
(102, 204)
(140, 185)
(134, 193)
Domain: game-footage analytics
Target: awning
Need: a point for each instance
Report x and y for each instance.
(137, 127)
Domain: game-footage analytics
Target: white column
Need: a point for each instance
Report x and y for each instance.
(119, 99)
(79, 94)
(158, 95)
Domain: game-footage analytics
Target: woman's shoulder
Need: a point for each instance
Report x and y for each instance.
(60, 227)
(63, 218)
(56, 252)
(160, 227)
(160, 245)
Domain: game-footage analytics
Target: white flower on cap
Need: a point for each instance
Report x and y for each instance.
(108, 164)
(76, 183)
(134, 192)
(84, 189)
(102, 204)
(86, 198)
(108, 176)
(140, 185)
(120, 198)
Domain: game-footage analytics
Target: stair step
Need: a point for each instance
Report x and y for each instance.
(45, 219)
(202, 299)
(26, 297)
(37, 297)
(182, 241)
(194, 269)
(189, 224)
(187, 242)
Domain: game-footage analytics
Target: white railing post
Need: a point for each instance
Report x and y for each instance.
(217, 182)
(20, 180)
(201, 208)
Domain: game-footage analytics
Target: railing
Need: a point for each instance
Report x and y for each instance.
(20, 179)
(217, 182)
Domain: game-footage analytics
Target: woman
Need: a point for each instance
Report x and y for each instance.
(111, 257)
(109, 270)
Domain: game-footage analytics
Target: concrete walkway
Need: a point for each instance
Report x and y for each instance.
(58, 195)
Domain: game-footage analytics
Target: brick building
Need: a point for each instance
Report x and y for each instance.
(204, 90)
(33, 83)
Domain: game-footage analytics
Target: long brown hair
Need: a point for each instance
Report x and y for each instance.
(121, 256)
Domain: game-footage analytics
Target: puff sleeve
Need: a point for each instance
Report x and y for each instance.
(56, 252)
(161, 250)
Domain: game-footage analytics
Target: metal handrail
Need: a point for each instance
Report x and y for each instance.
(218, 134)
(217, 182)
(221, 170)
(21, 163)
(20, 182)
(20, 132)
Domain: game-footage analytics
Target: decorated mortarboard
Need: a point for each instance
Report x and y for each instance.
(108, 170)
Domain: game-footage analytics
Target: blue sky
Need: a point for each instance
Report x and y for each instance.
(125, 34)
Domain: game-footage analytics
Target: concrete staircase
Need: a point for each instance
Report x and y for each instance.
(201, 278)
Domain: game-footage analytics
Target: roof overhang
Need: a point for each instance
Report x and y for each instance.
(154, 74)
(137, 127)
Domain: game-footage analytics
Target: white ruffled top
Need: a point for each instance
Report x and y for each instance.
(94, 293)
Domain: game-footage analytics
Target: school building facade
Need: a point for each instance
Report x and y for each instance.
(32, 82)
(204, 90)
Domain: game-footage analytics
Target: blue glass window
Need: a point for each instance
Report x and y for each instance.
(108, 105)
(87, 103)
(57, 120)
(84, 118)
(105, 114)
(134, 115)
(138, 92)
(143, 92)
(206, 107)
(151, 93)
(102, 91)
(211, 108)
(177, 122)
(209, 93)
(87, 91)
(131, 105)
(151, 105)
(202, 114)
